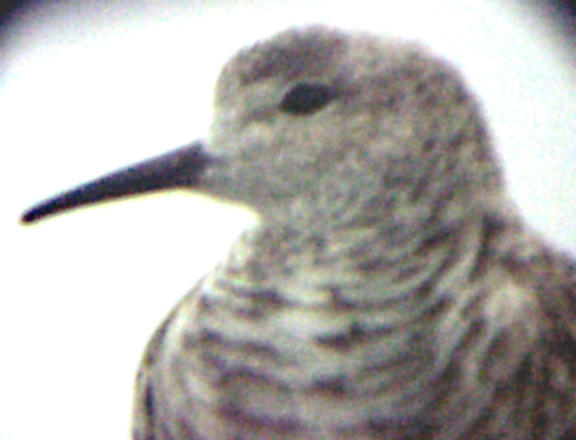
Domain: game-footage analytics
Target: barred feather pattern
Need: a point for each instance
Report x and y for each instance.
(295, 337)
(391, 290)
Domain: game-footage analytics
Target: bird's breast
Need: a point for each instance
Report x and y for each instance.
(259, 357)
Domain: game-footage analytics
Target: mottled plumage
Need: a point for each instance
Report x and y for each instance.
(390, 289)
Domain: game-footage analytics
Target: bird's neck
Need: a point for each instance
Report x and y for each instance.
(355, 267)
(348, 311)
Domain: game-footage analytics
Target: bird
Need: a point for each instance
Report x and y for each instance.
(390, 288)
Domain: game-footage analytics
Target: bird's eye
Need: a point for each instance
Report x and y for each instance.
(306, 98)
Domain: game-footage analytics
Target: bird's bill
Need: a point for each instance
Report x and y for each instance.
(178, 168)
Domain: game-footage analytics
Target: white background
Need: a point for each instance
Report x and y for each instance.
(89, 89)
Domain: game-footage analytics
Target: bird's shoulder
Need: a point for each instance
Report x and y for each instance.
(548, 276)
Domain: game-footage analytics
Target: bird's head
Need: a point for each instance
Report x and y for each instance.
(317, 127)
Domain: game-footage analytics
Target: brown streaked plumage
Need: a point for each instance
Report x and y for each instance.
(390, 289)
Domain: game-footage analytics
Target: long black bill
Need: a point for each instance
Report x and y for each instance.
(178, 168)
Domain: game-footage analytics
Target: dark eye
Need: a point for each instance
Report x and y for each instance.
(305, 98)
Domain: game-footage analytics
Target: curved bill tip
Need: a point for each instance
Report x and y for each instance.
(179, 168)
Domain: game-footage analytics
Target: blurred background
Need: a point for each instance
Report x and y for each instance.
(87, 87)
